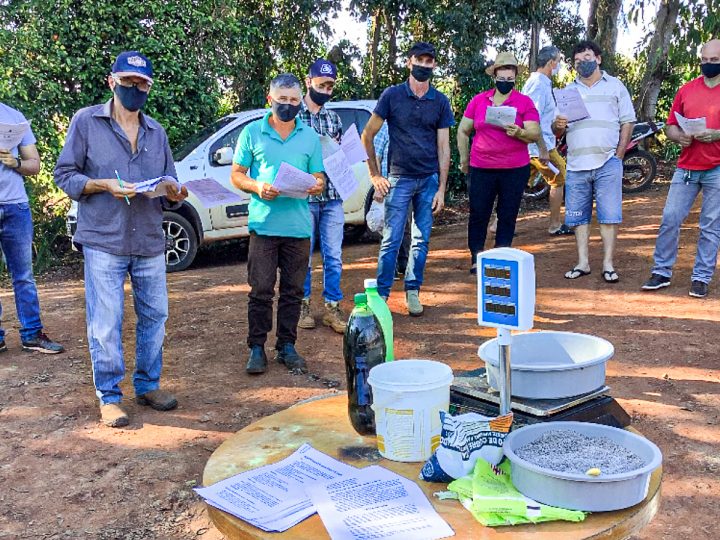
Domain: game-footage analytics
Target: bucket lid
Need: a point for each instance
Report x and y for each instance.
(370, 283)
(410, 375)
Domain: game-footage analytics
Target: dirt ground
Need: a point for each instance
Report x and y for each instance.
(62, 475)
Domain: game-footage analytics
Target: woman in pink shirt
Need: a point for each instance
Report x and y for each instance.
(498, 163)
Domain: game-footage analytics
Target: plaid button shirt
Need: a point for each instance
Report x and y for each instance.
(327, 123)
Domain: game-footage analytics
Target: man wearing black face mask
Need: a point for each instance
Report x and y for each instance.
(108, 148)
(326, 208)
(698, 170)
(419, 118)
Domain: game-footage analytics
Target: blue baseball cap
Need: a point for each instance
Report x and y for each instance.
(133, 64)
(323, 68)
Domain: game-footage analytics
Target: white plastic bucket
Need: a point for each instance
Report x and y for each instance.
(408, 396)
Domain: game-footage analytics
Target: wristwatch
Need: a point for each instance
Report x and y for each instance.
(19, 162)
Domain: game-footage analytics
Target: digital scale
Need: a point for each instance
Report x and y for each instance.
(506, 301)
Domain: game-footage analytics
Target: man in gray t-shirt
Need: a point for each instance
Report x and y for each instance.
(16, 232)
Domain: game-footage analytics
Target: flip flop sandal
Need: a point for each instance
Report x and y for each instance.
(562, 230)
(577, 273)
(610, 276)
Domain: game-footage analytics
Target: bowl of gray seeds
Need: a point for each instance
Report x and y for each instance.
(580, 465)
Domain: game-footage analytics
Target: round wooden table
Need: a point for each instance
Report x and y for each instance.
(325, 425)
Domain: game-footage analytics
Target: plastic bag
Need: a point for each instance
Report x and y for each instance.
(375, 217)
(464, 439)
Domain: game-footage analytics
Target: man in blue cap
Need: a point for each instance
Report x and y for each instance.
(328, 217)
(16, 234)
(108, 148)
(418, 117)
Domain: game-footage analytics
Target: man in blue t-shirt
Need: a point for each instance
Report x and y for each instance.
(418, 118)
(16, 233)
(280, 226)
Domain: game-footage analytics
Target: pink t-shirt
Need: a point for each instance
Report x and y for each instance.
(491, 146)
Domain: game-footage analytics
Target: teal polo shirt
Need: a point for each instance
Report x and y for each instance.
(262, 151)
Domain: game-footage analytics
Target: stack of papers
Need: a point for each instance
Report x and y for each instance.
(211, 193)
(156, 187)
(502, 116)
(11, 134)
(691, 126)
(353, 503)
(339, 160)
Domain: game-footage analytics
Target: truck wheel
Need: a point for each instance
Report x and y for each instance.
(181, 242)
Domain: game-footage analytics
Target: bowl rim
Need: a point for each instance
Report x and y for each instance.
(654, 463)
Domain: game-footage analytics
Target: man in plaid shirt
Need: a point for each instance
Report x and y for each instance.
(327, 208)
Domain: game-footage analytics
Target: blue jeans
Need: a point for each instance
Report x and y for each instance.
(104, 302)
(604, 184)
(405, 191)
(684, 189)
(328, 220)
(16, 236)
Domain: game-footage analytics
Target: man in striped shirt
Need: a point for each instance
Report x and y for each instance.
(596, 147)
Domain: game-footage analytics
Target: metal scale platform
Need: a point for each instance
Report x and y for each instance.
(470, 393)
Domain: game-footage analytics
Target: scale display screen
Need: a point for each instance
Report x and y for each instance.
(499, 282)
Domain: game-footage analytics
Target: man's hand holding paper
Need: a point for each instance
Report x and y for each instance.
(292, 182)
(570, 104)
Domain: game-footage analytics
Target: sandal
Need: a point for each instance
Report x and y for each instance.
(577, 273)
(611, 276)
(562, 230)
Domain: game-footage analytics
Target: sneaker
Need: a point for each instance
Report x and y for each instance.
(286, 354)
(415, 308)
(334, 317)
(3, 347)
(307, 321)
(656, 282)
(42, 343)
(113, 415)
(257, 362)
(160, 400)
(699, 289)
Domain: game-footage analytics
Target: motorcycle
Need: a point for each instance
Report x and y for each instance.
(639, 165)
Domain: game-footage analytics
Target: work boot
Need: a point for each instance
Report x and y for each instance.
(334, 317)
(307, 321)
(414, 307)
(113, 415)
(286, 354)
(41, 343)
(257, 363)
(158, 400)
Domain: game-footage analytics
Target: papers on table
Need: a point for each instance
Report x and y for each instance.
(273, 497)
(570, 104)
(11, 134)
(352, 146)
(691, 126)
(292, 182)
(375, 503)
(156, 187)
(502, 116)
(211, 193)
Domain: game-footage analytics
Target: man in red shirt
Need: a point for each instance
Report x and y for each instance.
(698, 170)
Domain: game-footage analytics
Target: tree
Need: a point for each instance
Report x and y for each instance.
(602, 27)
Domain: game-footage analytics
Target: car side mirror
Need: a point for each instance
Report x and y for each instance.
(223, 156)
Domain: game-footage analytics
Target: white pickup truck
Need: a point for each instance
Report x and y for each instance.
(208, 154)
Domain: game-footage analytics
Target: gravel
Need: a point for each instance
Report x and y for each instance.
(572, 452)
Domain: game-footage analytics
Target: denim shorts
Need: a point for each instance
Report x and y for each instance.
(604, 185)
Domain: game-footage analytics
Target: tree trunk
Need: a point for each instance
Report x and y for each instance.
(375, 28)
(657, 59)
(534, 45)
(392, 45)
(603, 28)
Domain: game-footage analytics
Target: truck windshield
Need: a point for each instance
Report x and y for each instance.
(184, 150)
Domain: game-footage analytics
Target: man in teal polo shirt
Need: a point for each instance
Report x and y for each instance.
(280, 226)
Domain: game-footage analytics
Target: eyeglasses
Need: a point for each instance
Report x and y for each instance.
(143, 86)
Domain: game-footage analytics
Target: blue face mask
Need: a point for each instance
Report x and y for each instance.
(131, 97)
(586, 68)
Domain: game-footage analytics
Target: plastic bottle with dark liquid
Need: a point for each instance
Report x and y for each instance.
(363, 349)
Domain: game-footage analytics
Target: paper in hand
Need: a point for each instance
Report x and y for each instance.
(340, 173)
(211, 193)
(292, 182)
(352, 146)
(691, 126)
(570, 104)
(11, 135)
(156, 187)
(502, 116)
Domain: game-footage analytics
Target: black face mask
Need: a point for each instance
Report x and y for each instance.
(131, 97)
(710, 70)
(421, 73)
(504, 87)
(285, 111)
(318, 97)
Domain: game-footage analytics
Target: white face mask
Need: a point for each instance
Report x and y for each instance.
(556, 69)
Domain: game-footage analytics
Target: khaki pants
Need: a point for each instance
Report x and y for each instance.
(553, 179)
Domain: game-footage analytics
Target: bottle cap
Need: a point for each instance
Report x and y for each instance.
(360, 298)
(371, 283)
